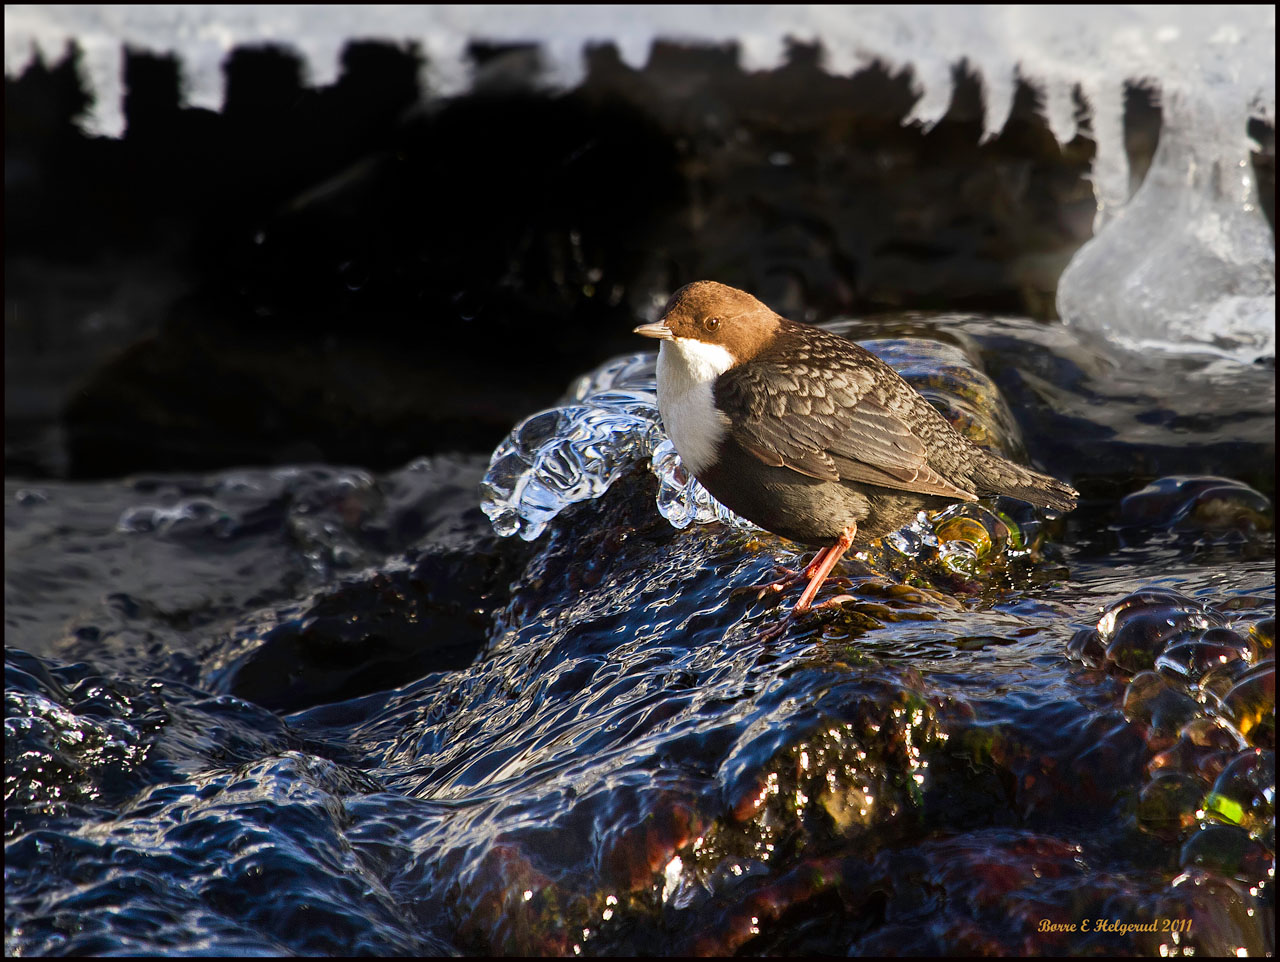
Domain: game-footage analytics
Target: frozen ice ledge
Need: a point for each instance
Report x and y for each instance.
(608, 420)
(1069, 52)
(1186, 266)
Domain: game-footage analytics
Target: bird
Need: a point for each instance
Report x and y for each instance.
(810, 436)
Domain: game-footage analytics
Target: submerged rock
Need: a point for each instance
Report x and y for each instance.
(1208, 711)
(1201, 507)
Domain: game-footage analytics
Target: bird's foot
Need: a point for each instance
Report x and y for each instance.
(791, 577)
(780, 625)
(774, 630)
(787, 579)
(816, 573)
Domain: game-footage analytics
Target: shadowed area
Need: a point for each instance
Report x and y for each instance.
(362, 273)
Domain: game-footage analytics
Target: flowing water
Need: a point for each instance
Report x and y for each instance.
(316, 710)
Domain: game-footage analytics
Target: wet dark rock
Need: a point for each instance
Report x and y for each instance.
(1204, 506)
(185, 558)
(1202, 651)
(1220, 911)
(370, 635)
(1220, 679)
(167, 765)
(1227, 851)
(81, 742)
(1204, 746)
(1006, 893)
(583, 744)
(1208, 700)
(1251, 705)
(1137, 631)
(1168, 804)
(623, 767)
(1194, 651)
(1111, 429)
(1151, 699)
(1244, 795)
(1138, 637)
(1086, 646)
(1262, 639)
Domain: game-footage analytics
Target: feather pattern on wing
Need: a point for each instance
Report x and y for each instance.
(825, 414)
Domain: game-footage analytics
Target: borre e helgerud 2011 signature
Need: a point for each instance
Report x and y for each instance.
(1116, 926)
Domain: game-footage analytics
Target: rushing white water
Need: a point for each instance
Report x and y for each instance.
(1189, 267)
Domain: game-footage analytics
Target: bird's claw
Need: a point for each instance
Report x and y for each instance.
(775, 629)
(788, 577)
(776, 588)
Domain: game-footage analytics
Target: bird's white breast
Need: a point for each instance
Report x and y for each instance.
(687, 369)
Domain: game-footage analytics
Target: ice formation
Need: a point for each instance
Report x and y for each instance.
(1189, 267)
(1188, 264)
(608, 421)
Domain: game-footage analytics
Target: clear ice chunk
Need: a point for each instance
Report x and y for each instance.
(681, 499)
(915, 539)
(607, 421)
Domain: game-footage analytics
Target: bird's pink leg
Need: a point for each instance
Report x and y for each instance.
(817, 562)
(818, 571)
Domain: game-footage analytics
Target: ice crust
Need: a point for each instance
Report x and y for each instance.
(1188, 265)
(1229, 48)
(607, 421)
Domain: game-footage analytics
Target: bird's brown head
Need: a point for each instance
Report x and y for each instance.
(716, 314)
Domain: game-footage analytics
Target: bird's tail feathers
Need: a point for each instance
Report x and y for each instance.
(1002, 477)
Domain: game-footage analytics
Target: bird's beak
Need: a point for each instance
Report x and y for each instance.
(657, 329)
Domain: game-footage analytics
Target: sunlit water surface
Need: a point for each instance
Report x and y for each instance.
(233, 724)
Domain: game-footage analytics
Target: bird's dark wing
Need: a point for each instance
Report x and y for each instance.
(834, 426)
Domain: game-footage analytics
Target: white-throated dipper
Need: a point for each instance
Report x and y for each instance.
(808, 435)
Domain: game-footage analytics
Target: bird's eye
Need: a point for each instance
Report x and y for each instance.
(712, 323)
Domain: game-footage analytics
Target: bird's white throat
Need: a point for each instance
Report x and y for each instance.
(687, 369)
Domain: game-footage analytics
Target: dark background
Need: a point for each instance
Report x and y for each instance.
(364, 273)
